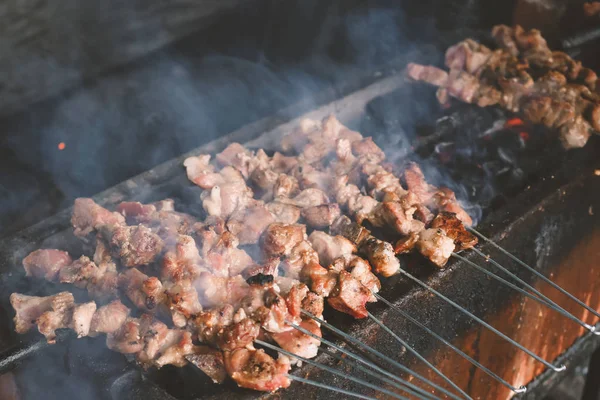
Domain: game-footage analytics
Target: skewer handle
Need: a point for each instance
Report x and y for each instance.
(12, 357)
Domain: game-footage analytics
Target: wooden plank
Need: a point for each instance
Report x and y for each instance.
(47, 46)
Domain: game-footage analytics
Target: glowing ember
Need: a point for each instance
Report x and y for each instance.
(524, 135)
(514, 122)
(62, 145)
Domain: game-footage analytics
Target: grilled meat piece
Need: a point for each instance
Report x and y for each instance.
(209, 323)
(209, 361)
(321, 216)
(426, 73)
(127, 339)
(255, 369)
(314, 304)
(181, 262)
(284, 213)
(238, 335)
(308, 198)
(29, 308)
(82, 318)
(294, 298)
(80, 272)
(361, 271)
(247, 225)
(46, 263)
(109, 318)
(58, 317)
(301, 255)
(349, 296)
(88, 216)
(321, 280)
(455, 230)
(216, 290)
(300, 343)
(133, 245)
(406, 244)
(436, 246)
(555, 98)
(144, 291)
(201, 172)
(331, 247)
(380, 255)
(352, 231)
(279, 239)
(182, 301)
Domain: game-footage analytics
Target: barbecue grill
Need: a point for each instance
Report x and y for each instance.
(543, 211)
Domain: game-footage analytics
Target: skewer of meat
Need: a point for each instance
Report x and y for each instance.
(522, 75)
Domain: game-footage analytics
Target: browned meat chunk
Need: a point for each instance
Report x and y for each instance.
(361, 271)
(314, 304)
(210, 322)
(88, 216)
(201, 172)
(46, 263)
(300, 343)
(209, 361)
(183, 302)
(294, 298)
(426, 73)
(367, 147)
(284, 213)
(331, 247)
(143, 291)
(308, 198)
(381, 256)
(301, 255)
(109, 318)
(436, 246)
(399, 217)
(238, 335)
(135, 209)
(591, 9)
(349, 296)
(285, 186)
(59, 317)
(29, 308)
(215, 290)
(321, 216)
(455, 230)
(182, 262)
(82, 318)
(247, 225)
(406, 244)
(279, 239)
(255, 369)
(127, 339)
(134, 245)
(352, 231)
(80, 272)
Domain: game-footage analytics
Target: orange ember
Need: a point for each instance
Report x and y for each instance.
(524, 136)
(62, 145)
(513, 122)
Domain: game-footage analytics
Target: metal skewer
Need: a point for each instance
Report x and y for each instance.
(400, 383)
(332, 388)
(536, 297)
(329, 369)
(371, 373)
(419, 356)
(371, 350)
(539, 274)
(482, 322)
(397, 309)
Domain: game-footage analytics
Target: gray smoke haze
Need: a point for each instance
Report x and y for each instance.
(182, 97)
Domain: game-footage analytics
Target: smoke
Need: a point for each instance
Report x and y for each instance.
(185, 96)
